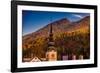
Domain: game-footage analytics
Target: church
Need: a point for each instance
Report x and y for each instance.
(51, 53)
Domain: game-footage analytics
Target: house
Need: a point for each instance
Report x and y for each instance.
(35, 59)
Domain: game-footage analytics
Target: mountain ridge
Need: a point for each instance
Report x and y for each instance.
(63, 25)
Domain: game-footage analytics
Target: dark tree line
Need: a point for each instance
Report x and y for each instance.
(67, 43)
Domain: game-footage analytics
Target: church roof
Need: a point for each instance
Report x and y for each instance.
(35, 59)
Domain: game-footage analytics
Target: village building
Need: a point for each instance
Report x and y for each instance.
(81, 57)
(35, 59)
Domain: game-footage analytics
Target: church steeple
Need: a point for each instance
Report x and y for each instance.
(50, 34)
(51, 41)
(51, 54)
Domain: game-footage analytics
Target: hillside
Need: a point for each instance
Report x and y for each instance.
(66, 35)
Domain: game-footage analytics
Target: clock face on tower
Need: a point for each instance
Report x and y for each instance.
(51, 55)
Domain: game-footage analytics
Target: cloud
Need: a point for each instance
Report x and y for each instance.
(76, 15)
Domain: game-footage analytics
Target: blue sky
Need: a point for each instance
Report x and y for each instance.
(34, 20)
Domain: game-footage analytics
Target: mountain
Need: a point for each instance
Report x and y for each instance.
(81, 25)
(63, 25)
(58, 26)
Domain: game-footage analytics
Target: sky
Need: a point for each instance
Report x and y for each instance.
(34, 20)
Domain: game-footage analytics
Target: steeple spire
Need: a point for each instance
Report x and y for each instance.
(51, 28)
(50, 42)
(50, 34)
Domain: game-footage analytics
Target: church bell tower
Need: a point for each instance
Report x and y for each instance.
(51, 53)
